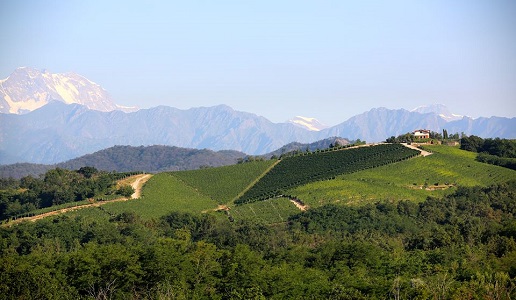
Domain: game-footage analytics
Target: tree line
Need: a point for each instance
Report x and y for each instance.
(497, 151)
(459, 247)
(55, 187)
(409, 137)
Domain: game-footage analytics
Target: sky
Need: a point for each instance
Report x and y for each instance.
(278, 59)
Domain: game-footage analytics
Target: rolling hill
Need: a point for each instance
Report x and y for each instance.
(269, 191)
(127, 158)
(412, 179)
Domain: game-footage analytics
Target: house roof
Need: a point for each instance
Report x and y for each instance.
(422, 131)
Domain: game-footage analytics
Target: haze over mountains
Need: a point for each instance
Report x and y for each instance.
(35, 129)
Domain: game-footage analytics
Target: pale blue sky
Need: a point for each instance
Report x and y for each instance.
(324, 59)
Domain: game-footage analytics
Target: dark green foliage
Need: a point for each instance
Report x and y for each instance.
(128, 159)
(497, 146)
(409, 137)
(459, 247)
(500, 152)
(58, 186)
(505, 162)
(125, 190)
(9, 183)
(309, 167)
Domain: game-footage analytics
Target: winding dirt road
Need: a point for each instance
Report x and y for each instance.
(136, 181)
(423, 152)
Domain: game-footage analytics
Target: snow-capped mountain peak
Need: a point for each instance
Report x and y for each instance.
(439, 109)
(311, 124)
(27, 89)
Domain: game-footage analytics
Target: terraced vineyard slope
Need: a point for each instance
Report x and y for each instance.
(224, 183)
(192, 191)
(315, 166)
(436, 175)
(382, 175)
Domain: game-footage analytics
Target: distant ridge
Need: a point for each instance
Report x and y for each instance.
(439, 109)
(318, 145)
(49, 118)
(127, 158)
(58, 132)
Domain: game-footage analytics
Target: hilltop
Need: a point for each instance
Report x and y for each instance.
(382, 178)
(127, 158)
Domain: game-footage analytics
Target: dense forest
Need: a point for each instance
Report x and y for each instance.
(500, 152)
(459, 247)
(57, 186)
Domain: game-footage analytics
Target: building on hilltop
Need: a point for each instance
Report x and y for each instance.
(421, 134)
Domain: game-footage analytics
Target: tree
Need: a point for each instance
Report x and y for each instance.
(471, 143)
(125, 190)
(87, 172)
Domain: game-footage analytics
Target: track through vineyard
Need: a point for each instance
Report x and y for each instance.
(137, 184)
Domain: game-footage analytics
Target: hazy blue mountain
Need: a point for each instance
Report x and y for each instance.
(379, 123)
(37, 126)
(58, 132)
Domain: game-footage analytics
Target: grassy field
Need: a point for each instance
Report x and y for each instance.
(270, 211)
(162, 194)
(204, 190)
(414, 179)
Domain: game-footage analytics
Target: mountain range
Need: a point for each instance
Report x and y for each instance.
(57, 131)
(27, 89)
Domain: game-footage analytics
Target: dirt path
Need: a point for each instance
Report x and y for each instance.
(299, 204)
(135, 181)
(138, 184)
(423, 152)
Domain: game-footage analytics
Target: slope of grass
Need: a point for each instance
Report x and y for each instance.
(162, 194)
(224, 183)
(270, 211)
(413, 179)
(202, 190)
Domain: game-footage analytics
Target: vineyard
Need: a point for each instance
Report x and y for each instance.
(222, 184)
(310, 167)
(436, 175)
(162, 194)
